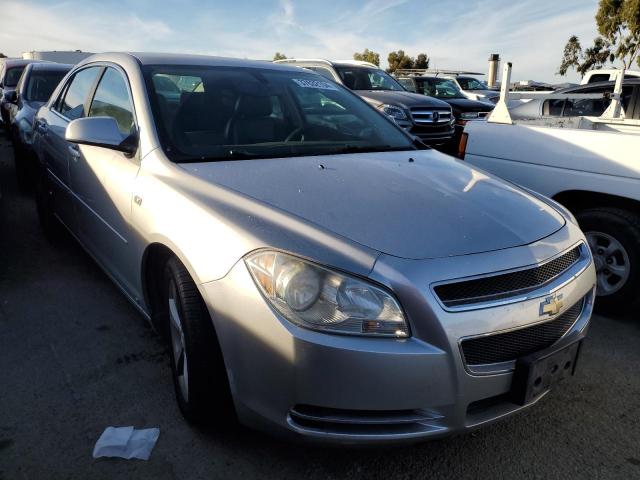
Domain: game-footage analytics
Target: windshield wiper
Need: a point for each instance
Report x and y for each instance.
(370, 149)
(231, 154)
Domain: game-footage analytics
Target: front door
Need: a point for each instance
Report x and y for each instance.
(102, 180)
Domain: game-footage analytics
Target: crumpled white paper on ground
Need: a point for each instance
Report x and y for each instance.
(126, 442)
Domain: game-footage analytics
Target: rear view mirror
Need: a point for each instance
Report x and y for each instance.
(11, 97)
(100, 132)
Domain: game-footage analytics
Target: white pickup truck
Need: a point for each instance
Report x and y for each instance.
(590, 165)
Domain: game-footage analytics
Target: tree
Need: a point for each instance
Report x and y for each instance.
(619, 23)
(619, 26)
(368, 56)
(2, 55)
(279, 56)
(422, 61)
(399, 60)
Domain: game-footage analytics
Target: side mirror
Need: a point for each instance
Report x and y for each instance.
(100, 132)
(11, 97)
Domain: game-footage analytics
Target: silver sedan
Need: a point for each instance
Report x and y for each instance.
(316, 270)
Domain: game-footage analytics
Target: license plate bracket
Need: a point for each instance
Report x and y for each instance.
(536, 373)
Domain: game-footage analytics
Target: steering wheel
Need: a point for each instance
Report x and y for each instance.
(295, 132)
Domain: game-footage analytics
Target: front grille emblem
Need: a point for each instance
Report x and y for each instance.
(551, 305)
(436, 116)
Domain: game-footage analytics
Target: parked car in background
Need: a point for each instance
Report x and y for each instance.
(469, 85)
(607, 75)
(572, 107)
(428, 119)
(10, 72)
(446, 90)
(34, 88)
(589, 164)
(316, 270)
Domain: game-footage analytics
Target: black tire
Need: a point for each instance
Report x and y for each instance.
(51, 226)
(208, 397)
(624, 227)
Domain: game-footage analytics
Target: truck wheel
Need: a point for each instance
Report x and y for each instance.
(614, 238)
(199, 375)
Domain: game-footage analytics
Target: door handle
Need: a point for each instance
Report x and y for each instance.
(74, 151)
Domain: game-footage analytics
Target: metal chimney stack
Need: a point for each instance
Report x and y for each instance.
(494, 64)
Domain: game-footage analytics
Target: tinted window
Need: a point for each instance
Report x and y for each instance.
(72, 105)
(553, 107)
(325, 72)
(599, 77)
(440, 88)
(237, 113)
(408, 84)
(41, 85)
(12, 76)
(363, 78)
(112, 100)
(470, 83)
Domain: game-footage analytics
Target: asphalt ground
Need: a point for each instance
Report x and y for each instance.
(76, 357)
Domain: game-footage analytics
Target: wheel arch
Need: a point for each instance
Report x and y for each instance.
(154, 259)
(576, 200)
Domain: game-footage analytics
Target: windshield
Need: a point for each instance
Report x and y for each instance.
(469, 83)
(222, 113)
(12, 76)
(41, 85)
(363, 78)
(440, 88)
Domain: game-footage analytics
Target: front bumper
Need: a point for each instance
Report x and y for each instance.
(347, 389)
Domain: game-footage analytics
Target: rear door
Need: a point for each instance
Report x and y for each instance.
(53, 149)
(102, 180)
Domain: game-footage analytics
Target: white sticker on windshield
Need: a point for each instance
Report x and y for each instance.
(314, 84)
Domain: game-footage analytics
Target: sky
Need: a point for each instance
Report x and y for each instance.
(456, 34)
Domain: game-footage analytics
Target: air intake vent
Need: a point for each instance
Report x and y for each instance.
(508, 346)
(363, 422)
(506, 284)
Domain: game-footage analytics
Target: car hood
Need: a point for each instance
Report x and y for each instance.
(402, 99)
(431, 207)
(488, 93)
(466, 105)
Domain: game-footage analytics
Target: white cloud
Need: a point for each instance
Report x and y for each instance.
(462, 35)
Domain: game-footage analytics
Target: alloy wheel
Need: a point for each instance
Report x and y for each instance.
(611, 262)
(178, 349)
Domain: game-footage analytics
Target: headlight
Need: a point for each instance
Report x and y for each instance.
(468, 115)
(394, 112)
(315, 297)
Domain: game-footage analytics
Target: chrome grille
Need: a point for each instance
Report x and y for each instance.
(422, 115)
(506, 284)
(508, 346)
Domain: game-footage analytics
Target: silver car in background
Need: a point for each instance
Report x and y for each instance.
(316, 271)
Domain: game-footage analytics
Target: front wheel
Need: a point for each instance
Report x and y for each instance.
(614, 238)
(199, 375)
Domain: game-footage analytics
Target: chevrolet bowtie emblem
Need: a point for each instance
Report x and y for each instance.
(551, 305)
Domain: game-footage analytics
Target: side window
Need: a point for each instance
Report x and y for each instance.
(112, 100)
(325, 72)
(552, 107)
(408, 84)
(71, 105)
(589, 107)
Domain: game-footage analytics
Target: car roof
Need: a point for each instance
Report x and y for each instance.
(20, 62)
(610, 83)
(178, 59)
(51, 67)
